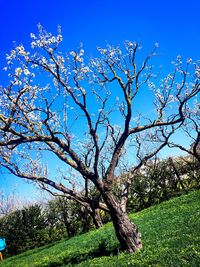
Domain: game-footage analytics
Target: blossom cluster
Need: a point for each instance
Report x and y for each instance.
(46, 40)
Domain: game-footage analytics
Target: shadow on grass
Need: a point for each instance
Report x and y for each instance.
(76, 259)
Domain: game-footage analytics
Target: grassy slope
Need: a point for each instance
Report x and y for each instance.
(170, 234)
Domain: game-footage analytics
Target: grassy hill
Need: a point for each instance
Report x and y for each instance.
(170, 234)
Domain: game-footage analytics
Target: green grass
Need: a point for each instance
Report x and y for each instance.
(170, 234)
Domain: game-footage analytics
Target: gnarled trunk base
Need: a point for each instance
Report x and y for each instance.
(126, 232)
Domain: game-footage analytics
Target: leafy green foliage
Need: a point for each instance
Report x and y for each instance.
(68, 216)
(170, 234)
(36, 226)
(32, 227)
(162, 180)
(24, 229)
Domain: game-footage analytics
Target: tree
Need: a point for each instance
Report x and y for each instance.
(157, 181)
(24, 229)
(191, 129)
(9, 203)
(69, 214)
(82, 110)
(89, 202)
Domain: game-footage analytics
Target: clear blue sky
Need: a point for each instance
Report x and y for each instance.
(174, 24)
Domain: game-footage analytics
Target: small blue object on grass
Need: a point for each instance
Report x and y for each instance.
(2, 243)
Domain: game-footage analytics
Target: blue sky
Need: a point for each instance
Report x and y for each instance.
(175, 25)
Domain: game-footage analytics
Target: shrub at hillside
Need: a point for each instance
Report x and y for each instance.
(23, 229)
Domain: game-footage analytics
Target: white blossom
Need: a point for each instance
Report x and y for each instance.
(81, 52)
(79, 59)
(32, 35)
(189, 60)
(85, 69)
(131, 44)
(72, 53)
(33, 44)
(50, 50)
(17, 82)
(18, 71)
(156, 45)
(59, 38)
(26, 72)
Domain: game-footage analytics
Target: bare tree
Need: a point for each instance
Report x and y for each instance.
(191, 129)
(82, 110)
(9, 203)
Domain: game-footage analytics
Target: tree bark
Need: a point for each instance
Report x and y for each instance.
(96, 217)
(177, 174)
(126, 231)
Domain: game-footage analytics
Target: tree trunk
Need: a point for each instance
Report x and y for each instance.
(96, 217)
(177, 174)
(126, 231)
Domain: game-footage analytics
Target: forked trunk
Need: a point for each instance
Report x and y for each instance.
(126, 231)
